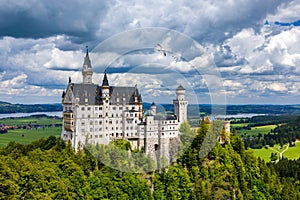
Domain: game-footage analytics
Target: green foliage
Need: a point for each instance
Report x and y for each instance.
(51, 169)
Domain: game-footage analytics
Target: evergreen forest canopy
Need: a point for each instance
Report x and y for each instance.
(51, 169)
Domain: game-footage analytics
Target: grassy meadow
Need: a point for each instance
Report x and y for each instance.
(26, 136)
(254, 131)
(291, 153)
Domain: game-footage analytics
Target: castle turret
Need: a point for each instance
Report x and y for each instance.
(87, 71)
(180, 105)
(153, 109)
(105, 88)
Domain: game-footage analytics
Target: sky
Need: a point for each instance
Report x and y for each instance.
(224, 52)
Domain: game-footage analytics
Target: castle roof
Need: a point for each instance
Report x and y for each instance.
(180, 87)
(105, 80)
(92, 93)
(87, 60)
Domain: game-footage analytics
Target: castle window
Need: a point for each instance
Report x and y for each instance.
(135, 114)
(100, 122)
(100, 129)
(82, 108)
(117, 122)
(89, 116)
(120, 108)
(116, 128)
(112, 128)
(106, 114)
(117, 115)
(100, 108)
(91, 122)
(112, 115)
(91, 136)
(106, 128)
(91, 129)
(132, 108)
(82, 130)
(82, 123)
(162, 133)
(96, 108)
(100, 136)
(114, 108)
(82, 116)
(117, 134)
(89, 108)
(96, 136)
(100, 115)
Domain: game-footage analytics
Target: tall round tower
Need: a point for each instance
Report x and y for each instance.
(180, 105)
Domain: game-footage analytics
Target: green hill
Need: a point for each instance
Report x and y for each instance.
(6, 107)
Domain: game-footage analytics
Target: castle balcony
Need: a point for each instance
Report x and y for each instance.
(68, 119)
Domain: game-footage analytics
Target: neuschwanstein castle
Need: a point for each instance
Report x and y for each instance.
(95, 113)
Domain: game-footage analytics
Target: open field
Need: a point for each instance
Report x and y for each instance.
(27, 120)
(290, 153)
(293, 152)
(239, 125)
(26, 136)
(256, 130)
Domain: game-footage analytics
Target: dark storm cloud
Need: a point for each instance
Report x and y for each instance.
(40, 19)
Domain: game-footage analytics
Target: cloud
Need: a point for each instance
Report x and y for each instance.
(42, 44)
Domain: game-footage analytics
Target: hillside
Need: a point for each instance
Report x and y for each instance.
(50, 169)
(6, 107)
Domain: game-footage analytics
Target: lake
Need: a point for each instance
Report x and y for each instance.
(56, 113)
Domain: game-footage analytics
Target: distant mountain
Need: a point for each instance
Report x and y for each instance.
(6, 107)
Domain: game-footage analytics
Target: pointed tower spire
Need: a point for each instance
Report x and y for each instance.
(87, 60)
(105, 80)
(87, 71)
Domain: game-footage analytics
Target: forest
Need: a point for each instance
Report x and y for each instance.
(6, 107)
(50, 169)
(282, 134)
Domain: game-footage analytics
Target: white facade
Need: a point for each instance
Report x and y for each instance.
(98, 114)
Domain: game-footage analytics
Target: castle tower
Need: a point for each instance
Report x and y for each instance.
(180, 105)
(87, 71)
(225, 134)
(105, 94)
(153, 109)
